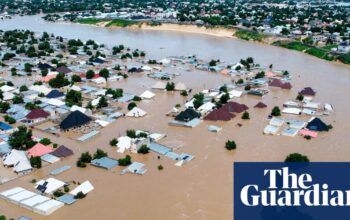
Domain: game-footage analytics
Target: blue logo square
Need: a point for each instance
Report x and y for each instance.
(291, 191)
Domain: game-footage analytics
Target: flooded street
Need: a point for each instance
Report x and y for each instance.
(203, 188)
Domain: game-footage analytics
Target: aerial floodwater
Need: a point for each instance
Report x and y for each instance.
(203, 188)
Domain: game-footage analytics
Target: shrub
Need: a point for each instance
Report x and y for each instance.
(113, 142)
(58, 193)
(45, 141)
(184, 93)
(99, 154)
(136, 98)
(131, 105)
(170, 86)
(230, 145)
(307, 137)
(276, 111)
(143, 149)
(35, 162)
(160, 167)
(245, 116)
(79, 195)
(300, 97)
(131, 133)
(125, 161)
(66, 189)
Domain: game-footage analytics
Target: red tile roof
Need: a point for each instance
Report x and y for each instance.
(37, 113)
(235, 107)
(220, 114)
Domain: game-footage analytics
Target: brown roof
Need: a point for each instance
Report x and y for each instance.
(235, 107)
(220, 114)
(37, 113)
(63, 69)
(308, 91)
(286, 85)
(62, 151)
(276, 83)
(260, 105)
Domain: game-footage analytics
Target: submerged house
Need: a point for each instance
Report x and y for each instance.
(307, 91)
(220, 114)
(55, 94)
(187, 115)
(39, 150)
(62, 151)
(260, 105)
(235, 107)
(317, 124)
(18, 160)
(36, 115)
(5, 128)
(74, 120)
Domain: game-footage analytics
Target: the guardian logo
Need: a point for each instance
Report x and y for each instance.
(291, 191)
(296, 190)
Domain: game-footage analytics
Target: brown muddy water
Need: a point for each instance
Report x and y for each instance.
(203, 188)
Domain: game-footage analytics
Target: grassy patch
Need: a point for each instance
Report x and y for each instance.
(323, 53)
(121, 23)
(344, 58)
(294, 45)
(88, 20)
(154, 23)
(249, 35)
(329, 47)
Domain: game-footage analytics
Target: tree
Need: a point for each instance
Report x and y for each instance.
(131, 105)
(9, 119)
(300, 97)
(131, 133)
(240, 81)
(198, 100)
(250, 60)
(59, 81)
(137, 98)
(79, 195)
(143, 149)
(102, 102)
(224, 98)
(212, 63)
(85, 157)
(276, 111)
(58, 193)
(170, 86)
(99, 154)
(125, 161)
(230, 145)
(21, 138)
(35, 162)
(28, 67)
(23, 88)
(104, 73)
(245, 116)
(17, 99)
(45, 141)
(90, 74)
(184, 93)
(113, 142)
(296, 157)
(4, 106)
(73, 98)
(76, 78)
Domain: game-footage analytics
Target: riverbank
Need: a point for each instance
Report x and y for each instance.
(226, 32)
